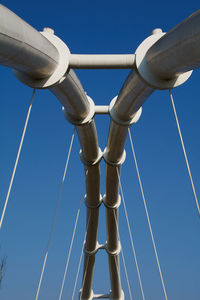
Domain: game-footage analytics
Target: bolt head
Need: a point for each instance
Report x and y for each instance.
(48, 29)
(156, 30)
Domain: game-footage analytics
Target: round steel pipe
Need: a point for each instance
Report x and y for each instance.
(25, 49)
(88, 270)
(132, 96)
(116, 143)
(92, 181)
(112, 230)
(178, 51)
(71, 94)
(89, 142)
(102, 61)
(116, 290)
(92, 230)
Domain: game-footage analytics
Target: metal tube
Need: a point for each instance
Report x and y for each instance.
(178, 51)
(132, 96)
(105, 61)
(72, 96)
(88, 270)
(91, 237)
(112, 230)
(101, 109)
(113, 244)
(116, 143)
(89, 142)
(25, 49)
(90, 247)
(92, 178)
(116, 292)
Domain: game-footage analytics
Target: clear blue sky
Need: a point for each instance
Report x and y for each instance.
(100, 27)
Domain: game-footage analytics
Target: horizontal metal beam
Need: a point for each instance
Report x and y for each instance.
(102, 61)
(101, 109)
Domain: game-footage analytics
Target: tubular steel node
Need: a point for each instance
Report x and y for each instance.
(43, 60)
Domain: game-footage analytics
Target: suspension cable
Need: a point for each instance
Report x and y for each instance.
(147, 215)
(126, 273)
(184, 152)
(55, 215)
(131, 237)
(123, 260)
(70, 249)
(79, 265)
(17, 158)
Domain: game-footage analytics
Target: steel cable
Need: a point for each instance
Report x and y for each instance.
(55, 215)
(17, 159)
(184, 152)
(131, 237)
(147, 215)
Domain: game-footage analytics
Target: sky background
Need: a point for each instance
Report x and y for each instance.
(107, 27)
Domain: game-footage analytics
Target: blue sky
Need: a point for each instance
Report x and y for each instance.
(99, 27)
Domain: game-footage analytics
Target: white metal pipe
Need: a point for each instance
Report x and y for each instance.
(178, 50)
(89, 142)
(73, 97)
(101, 109)
(132, 96)
(25, 49)
(90, 251)
(102, 61)
(88, 270)
(135, 91)
(116, 292)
